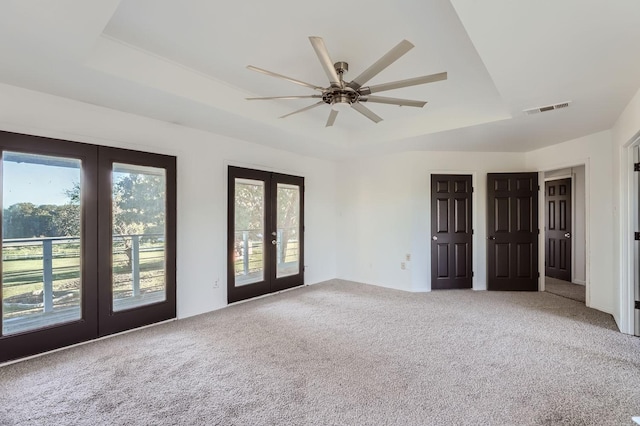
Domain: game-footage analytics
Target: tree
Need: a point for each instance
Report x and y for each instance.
(288, 217)
(249, 212)
(26, 220)
(249, 200)
(138, 206)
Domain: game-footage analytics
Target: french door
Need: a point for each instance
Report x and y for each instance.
(88, 242)
(265, 233)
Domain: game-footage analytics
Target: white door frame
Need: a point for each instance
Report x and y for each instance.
(629, 268)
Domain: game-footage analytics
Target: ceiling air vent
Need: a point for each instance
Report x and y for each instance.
(546, 108)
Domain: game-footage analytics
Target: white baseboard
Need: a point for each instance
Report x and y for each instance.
(581, 282)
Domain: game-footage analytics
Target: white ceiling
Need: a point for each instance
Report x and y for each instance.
(185, 62)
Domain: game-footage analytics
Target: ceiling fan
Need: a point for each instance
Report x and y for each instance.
(342, 95)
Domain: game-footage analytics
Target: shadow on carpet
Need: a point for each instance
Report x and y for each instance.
(565, 289)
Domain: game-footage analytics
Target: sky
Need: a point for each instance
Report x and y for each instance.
(36, 183)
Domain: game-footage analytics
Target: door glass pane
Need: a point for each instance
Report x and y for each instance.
(288, 230)
(40, 241)
(248, 231)
(138, 217)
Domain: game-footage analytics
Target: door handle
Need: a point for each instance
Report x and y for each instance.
(492, 238)
(567, 235)
(274, 242)
(434, 238)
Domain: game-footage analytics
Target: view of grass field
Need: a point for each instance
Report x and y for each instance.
(254, 262)
(23, 281)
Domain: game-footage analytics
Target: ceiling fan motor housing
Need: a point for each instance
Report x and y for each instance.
(336, 95)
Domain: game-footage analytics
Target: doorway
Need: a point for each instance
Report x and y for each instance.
(451, 232)
(265, 233)
(565, 233)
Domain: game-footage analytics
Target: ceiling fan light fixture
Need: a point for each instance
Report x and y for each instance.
(341, 103)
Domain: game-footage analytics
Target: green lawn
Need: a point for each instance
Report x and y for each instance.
(24, 275)
(255, 258)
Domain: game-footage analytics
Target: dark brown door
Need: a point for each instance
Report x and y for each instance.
(451, 233)
(512, 230)
(558, 232)
(265, 233)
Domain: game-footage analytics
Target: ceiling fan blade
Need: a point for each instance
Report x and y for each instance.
(325, 60)
(332, 118)
(366, 112)
(303, 109)
(390, 57)
(404, 83)
(284, 97)
(393, 101)
(284, 77)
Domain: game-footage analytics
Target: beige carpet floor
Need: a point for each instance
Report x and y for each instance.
(341, 353)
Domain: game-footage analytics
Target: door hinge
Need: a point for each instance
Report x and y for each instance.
(538, 274)
(472, 189)
(637, 304)
(636, 167)
(636, 236)
(473, 231)
(473, 274)
(538, 231)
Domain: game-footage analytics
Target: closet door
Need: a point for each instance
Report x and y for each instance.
(512, 228)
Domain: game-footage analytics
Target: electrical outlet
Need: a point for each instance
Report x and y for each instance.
(215, 283)
(408, 257)
(403, 265)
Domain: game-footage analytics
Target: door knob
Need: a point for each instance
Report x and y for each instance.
(434, 238)
(274, 233)
(567, 235)
(492, 238)
(274, 242)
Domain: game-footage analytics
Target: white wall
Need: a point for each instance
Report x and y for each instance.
(595, 152)
(202, 184)
(384, 214)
